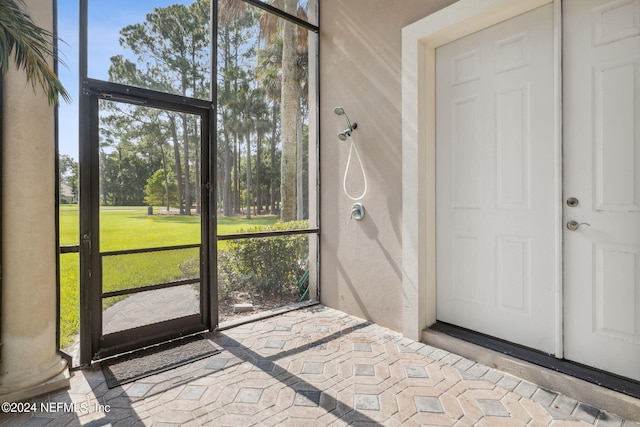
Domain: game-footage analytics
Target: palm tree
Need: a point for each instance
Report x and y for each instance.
(292, 39)
(269, 59)
(31, 46)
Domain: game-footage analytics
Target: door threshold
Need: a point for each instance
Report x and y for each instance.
(601, 389)
(265, 314)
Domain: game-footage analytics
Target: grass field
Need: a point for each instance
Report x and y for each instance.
(126, 228)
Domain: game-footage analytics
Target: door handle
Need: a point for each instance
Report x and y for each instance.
(574, 225)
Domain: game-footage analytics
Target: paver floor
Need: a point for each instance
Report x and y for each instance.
(315, 366)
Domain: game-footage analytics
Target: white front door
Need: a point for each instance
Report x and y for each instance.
(495, 185)
(497, 194)
(602, 173)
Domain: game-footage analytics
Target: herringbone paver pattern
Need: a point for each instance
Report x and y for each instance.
(316, 367)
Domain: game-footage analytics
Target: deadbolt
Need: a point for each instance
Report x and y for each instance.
(572, 202)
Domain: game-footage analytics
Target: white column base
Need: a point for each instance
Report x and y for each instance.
(56, 378)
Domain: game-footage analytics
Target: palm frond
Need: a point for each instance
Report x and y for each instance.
(303, 35)
(269, 23)
(30, 47)
(230, 10)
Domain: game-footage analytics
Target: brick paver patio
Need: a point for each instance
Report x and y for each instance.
(311, 367)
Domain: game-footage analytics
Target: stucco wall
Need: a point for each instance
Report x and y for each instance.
(29, 363)
(360, 70)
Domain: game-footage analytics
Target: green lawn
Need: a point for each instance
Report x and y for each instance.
(125, 228)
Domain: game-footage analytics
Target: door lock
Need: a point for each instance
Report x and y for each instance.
(574, 225)
(572, 202)
(86, 239)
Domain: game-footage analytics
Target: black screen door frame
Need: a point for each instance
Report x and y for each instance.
(93, 343)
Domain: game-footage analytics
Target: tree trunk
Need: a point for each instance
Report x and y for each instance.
(258, 174)
(226, 192)
(289, 105)
(248, 137)
(274, 134)
(198, 174)
(187, 185)
(236, 175)
(166, 178)
(227, 195)
(176, 153)
(299, 164)
(197, 185)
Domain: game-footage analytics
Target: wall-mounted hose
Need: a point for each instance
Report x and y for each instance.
(353, 148)
(343, 136)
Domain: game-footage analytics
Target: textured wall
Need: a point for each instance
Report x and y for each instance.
(29, 356)
(360, 70)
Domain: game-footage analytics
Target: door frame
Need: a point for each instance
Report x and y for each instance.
(419, 43)
(94, 344)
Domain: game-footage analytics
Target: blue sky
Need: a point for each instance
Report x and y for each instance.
(106, 18)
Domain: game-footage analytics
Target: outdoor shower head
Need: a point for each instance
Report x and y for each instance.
(342, 136)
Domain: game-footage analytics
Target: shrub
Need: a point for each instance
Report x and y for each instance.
(264, 266)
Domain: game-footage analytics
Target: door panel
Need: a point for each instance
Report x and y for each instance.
(496, 259)
(602, 171)
(495, 185)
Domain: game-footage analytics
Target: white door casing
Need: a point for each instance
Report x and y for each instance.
(601, 278)
(602, 171)
(495, 204)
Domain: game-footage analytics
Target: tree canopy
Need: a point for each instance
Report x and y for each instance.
(154, 155)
